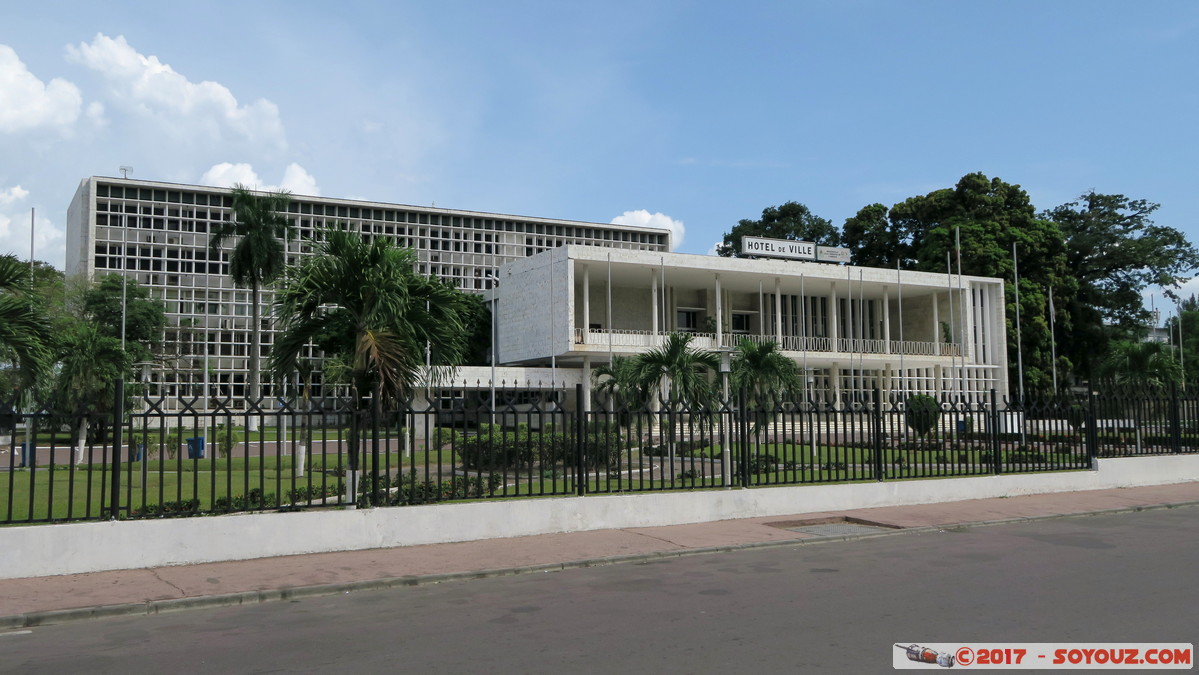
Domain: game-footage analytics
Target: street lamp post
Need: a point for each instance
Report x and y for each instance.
(726, 367)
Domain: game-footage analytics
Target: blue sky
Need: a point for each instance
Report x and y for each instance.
(697, 113)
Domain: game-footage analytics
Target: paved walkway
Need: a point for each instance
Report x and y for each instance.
(46, 600)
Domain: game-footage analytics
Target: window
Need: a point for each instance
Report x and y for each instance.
(740, 323)
(688, 320)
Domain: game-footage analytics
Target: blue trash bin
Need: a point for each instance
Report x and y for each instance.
(195, 448)
(28, 455)
(141, 451)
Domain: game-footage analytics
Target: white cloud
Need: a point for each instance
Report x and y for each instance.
(49, 240)
(27, 103)
(298, 181)
(151, 88)
(12, 194)
(712, 251)
(644, 218)
(295, 178)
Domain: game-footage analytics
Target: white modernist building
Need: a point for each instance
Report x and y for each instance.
(158, 234)
(852, 329)
(572, 295)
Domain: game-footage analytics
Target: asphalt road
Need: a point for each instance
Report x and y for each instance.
(823, 608)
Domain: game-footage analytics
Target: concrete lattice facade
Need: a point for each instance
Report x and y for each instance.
(158, 234)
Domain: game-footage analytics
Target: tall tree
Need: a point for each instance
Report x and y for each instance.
(872, 240)
(988, 215)
(143, 316)
(258, 258)
(1114, 252)
(365, 303)
(90, 364)
(679, 376)
(792, 221)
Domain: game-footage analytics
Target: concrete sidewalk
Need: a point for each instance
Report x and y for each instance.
(58, 599)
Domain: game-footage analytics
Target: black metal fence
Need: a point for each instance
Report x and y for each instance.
(190, 456)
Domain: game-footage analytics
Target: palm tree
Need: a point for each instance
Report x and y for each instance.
(257, 260)
(364, 302)
(1151, 364)
(24, 331)
(676, 373)
(764, 374)
(680, 377)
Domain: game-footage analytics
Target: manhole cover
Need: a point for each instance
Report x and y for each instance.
(840, 529)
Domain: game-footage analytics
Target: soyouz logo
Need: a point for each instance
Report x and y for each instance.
(1044, 656)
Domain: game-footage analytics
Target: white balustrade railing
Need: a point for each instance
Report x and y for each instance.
(648, 339)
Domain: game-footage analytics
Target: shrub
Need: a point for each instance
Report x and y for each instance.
(921, 413)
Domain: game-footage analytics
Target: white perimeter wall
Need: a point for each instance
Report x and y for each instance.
(91, 547)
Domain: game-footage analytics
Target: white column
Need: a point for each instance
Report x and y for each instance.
(886, 320)
(585, 404)
(719, 314)
(778, 311)
(936, 323)
(833, 313)
(587, 303)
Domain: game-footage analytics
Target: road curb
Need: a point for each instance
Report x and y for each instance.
(150, 607)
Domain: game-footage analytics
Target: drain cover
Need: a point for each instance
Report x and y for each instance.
(839, 529)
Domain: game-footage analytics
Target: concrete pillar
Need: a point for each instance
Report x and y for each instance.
(778, 311)
(585, 404)
(587, 303)
(834, 373)
(936, 323)
(719, 314)
(886, 320)
(833, 314)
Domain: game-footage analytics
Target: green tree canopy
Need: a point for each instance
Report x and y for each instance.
(792, 221)
(1114, 252)
(144, 320)
(988, 216)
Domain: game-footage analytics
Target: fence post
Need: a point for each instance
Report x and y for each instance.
(1092, 437)
(376, 406)
(580, 429)
(743, 437)
(996, 458)
(877, 436)
(118, 419)
(1175, 420)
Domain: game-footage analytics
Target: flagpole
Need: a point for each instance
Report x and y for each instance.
(965, 308)
(952, 323)
(803, 329)
(32, 226)
(902, 348)
(1053, 338)
(1019, 343)
(1181, 363)
(611, 358)
(862, 329)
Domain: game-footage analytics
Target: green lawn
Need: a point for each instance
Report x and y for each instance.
(226, 482)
